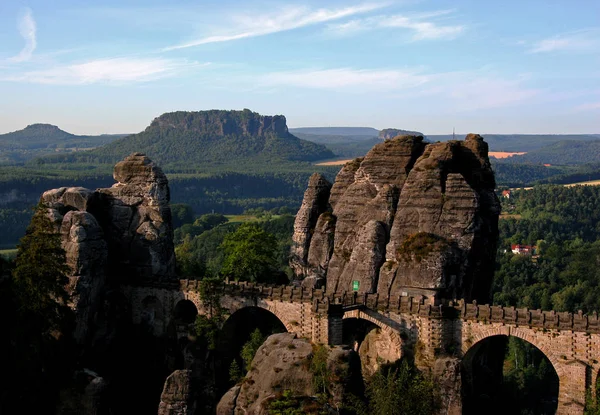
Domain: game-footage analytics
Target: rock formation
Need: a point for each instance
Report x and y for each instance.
(316, 202)
(282, 364)
(409, 218)
(389, 133)
(177, 397)
(113, 235)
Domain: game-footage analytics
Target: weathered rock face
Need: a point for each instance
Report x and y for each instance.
(409, 219)
(316, 202)
(136, 217)
(281, 364)
(122, 231)
(177, 397)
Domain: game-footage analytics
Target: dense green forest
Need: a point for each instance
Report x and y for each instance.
(181, 139)
(561, 153)
(564, 224)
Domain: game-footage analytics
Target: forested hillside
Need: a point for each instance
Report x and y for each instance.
(564, 224)
(41, 139)
(180, 140)
(561, 153)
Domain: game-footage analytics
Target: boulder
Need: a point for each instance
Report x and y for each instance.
(282, 365)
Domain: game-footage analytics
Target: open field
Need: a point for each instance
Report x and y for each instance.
(505, 154)
(590, 183)
(333, 162)
(249, 218)
(8, 253)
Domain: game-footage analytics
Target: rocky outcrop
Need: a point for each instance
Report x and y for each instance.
(177, 397)
(389, 133)
(282, 364)
(409, 219)
(109, 235)
(136, 217)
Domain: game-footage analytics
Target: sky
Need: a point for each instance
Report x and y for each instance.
(511, 66)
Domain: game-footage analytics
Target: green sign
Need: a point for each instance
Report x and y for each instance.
(355, 285)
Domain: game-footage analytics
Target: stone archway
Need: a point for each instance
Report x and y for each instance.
(185, 312)
(375, 343)
(491, 376)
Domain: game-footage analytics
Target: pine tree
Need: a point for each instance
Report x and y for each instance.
(40, 273)
(37, 357)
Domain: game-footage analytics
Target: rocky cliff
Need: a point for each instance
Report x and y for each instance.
(409, 218)
(114, 235)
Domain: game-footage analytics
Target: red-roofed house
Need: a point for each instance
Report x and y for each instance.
(523, 249)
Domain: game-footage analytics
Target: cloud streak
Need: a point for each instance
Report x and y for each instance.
(107, 71)
(342, 78)
(287, 19)
(425, 26)
(27, 29)
(467, 91)
(586, 40)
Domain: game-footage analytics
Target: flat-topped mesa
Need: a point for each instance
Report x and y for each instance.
(111, 235)
(224, 123)
(414, 219)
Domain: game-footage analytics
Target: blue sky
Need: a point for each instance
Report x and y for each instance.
(509, 66)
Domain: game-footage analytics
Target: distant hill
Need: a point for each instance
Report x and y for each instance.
(562, 153)
(38, 139)
(338, 131)
(520, 142)
(348, 142)
(226, 138)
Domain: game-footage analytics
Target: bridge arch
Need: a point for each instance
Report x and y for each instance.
(386, 340)
(484, 374)
(185, 312)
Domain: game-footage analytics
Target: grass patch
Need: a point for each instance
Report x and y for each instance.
(8, 254)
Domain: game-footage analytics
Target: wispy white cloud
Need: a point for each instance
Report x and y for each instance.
(462, 91)
(286, 19)
(423, 25)
(347, 78)
(27, 29)
(590, 106)
(111, 71)
(586, 40)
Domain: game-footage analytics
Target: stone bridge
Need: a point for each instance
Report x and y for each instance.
(571, 342)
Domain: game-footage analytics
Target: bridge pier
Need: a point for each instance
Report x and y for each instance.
(572, 387)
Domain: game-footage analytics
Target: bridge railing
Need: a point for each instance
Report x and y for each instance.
(322, 302)
(550, 320)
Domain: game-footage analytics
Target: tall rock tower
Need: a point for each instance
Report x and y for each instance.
(409, 218)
